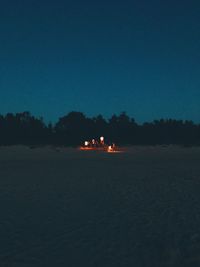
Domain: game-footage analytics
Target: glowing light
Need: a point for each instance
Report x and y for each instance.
(100, 146)
(110, 148)
(102, 139)
(86, 143)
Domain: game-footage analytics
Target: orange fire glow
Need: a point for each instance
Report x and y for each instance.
(99, 146)
(110, 148)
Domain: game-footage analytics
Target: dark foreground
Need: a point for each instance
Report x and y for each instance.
(62, 207)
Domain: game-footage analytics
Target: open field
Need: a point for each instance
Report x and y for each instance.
(64, 207)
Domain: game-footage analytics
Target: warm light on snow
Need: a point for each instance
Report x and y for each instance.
(99, 145)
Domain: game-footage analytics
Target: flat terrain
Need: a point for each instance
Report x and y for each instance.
(63, 207)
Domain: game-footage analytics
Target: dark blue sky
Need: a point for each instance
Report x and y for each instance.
(104, 57)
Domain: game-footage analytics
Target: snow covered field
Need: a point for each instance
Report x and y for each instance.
(64, 207)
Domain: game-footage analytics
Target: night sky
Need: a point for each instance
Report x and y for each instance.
(142, 57)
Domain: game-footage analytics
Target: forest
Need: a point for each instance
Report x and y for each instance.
(75, 127)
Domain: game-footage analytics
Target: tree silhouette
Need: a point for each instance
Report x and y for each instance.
(73, 128)
(100, 126)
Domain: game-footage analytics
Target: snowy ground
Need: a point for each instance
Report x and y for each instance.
(63, 207)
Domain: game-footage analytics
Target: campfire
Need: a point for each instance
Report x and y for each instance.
(99, 145)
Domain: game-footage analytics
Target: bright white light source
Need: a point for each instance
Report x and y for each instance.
(86, 143)
(102, 139)
(93, 141)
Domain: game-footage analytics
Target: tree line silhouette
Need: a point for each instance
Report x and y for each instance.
(73, 128)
